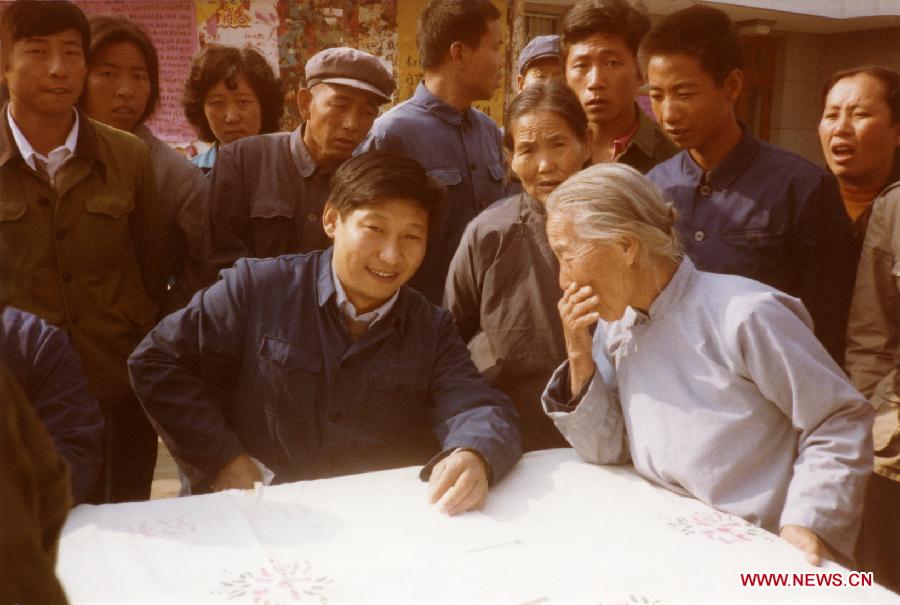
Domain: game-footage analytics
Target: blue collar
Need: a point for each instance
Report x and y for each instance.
(730, 168)
(438, 107)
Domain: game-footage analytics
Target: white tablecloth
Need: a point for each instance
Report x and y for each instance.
(556, 530)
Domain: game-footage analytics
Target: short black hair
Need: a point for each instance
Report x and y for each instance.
(106, 30)
(217, 62)
(699, 31)
(28, 18)
(889, 79)
(379, 175)
(607, 17)
(444, 22)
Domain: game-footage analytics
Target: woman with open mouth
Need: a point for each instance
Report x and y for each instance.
(503, 285)
(860, 134)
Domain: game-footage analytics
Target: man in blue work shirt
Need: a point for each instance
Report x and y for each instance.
(324, 364)
(745, 206)
(459, 49)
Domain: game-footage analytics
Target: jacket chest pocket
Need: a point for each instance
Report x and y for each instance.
(110, 205)
(763, 251)
(397, 399)
(448, 178)
(271, 208)
(11, 210)
(287, 380)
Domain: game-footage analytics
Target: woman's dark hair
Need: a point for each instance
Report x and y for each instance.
(443, 22)
(107, 30)
(552, 96)
(699, 31)
(890, 82)
(375, 176)
(217, 63)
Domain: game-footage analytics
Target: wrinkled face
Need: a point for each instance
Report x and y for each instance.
(482, 65)
(45, 74)
(540, 70)
(118, 86)
(605, 76)
(337, 118)
(858, 139)
(607, 267)
(232, 113)
(689, 105)
(545, 152)
(377, 248)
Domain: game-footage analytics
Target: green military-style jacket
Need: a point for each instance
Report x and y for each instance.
(91, 254)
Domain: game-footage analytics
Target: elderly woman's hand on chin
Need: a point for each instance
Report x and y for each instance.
(577, 309)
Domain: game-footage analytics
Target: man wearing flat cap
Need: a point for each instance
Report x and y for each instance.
(539, 61)
(267, 192)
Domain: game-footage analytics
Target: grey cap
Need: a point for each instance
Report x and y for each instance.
(540, 47)
(351, 67)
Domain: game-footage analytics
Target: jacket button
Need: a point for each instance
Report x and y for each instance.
(699, 236)
(705, 189)
(334, 416)
(43, 201)
(60, 234)
(66, 276)
(312, 217)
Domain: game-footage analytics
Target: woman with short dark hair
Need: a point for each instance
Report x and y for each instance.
(502, 287)
(860, 136)
(122, 90)
(230, 93)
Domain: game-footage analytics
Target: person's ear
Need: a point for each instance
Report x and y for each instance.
(330, 218)
(457, 54)
(629, 248)
(896, 128)
(734, 83)
(520, 83)
(304, 100)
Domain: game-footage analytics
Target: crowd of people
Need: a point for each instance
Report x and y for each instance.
(416, 286)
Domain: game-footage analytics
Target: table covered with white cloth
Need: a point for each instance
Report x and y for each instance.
(556, 530)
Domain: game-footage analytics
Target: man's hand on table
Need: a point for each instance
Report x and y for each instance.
(458, 483)
(240, 473)
(808, 542)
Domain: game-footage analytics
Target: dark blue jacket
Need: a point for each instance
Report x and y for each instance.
(462, 150)
(772, 216)
(261, 362)
(45, 364)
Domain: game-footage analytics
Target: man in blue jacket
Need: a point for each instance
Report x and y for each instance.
(41, 358)
(325, 364)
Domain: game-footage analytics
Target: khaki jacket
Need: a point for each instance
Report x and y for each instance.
(89, 256)
(873, 348)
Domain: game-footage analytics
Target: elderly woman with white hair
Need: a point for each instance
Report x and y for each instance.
(712, 385)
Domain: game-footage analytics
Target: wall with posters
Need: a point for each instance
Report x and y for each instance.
(286, 32)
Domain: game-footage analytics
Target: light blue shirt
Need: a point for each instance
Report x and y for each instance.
(722, 392)
(349, 311)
